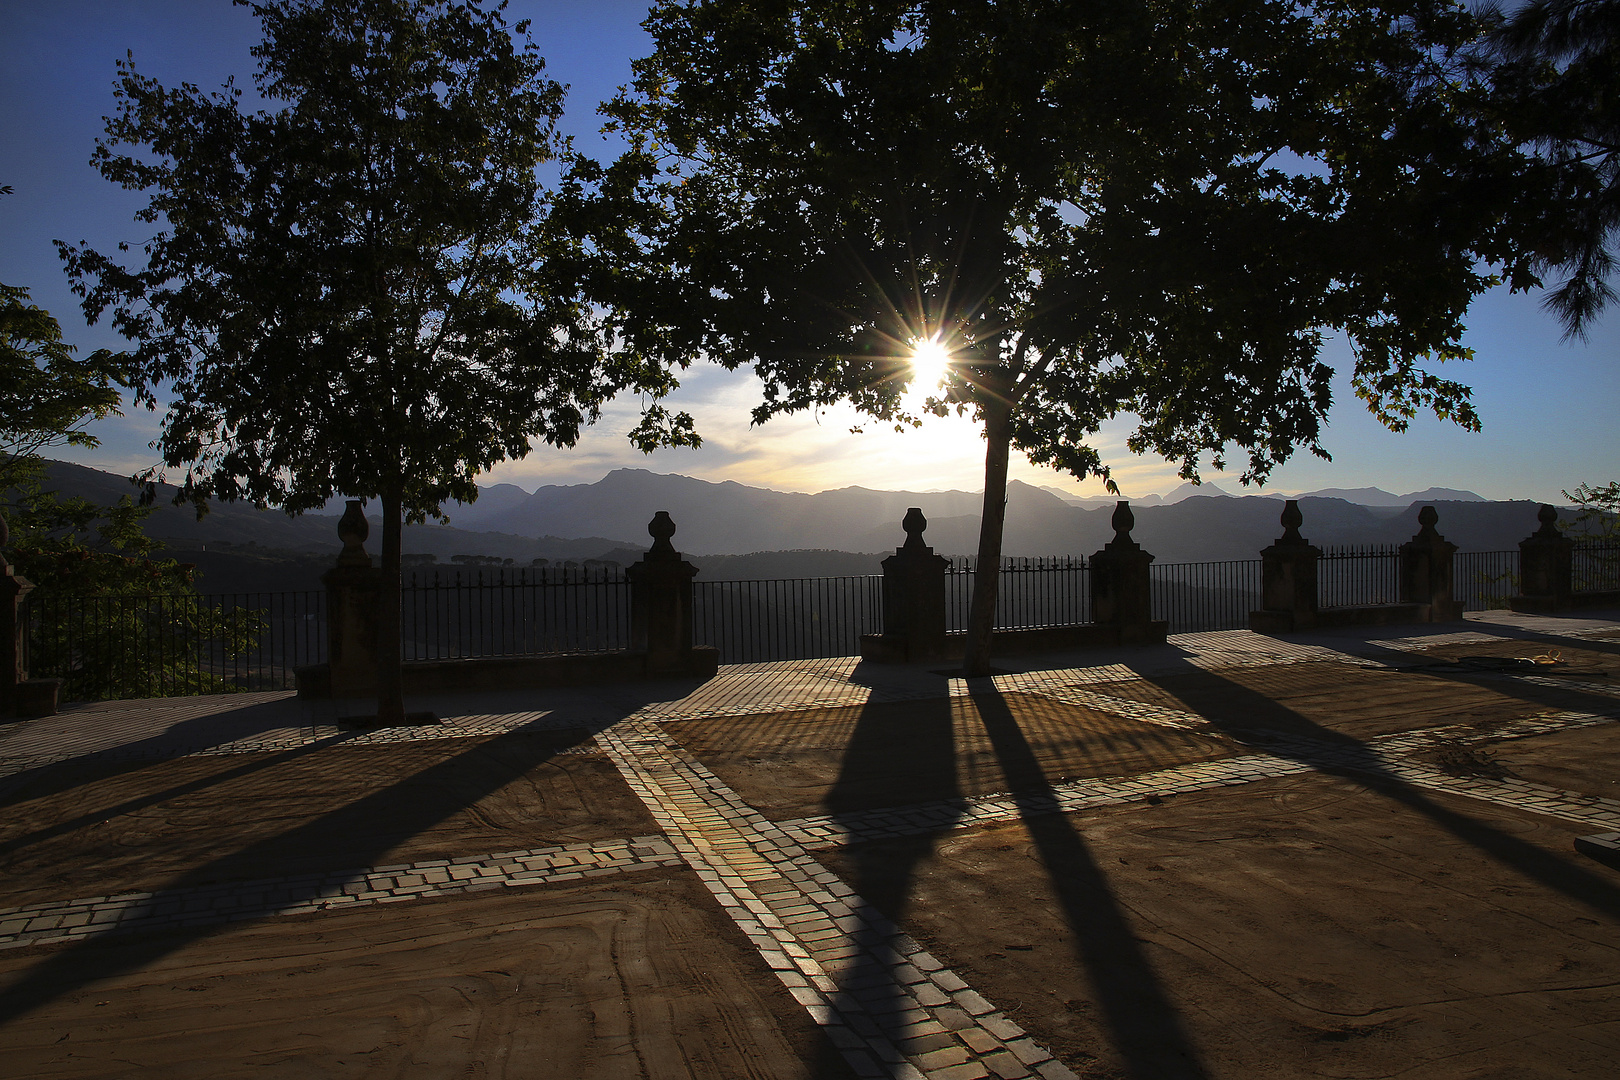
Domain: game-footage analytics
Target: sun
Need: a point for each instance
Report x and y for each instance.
(930, 361)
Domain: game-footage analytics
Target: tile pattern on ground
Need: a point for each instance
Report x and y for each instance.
(301, 895)
(889, 1007)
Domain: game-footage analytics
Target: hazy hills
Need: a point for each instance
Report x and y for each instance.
(722, 525)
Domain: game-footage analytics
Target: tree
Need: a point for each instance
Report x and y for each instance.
(360, 289)
(1560, 76)
(1103, 209)
(113, 648)
(47, 394)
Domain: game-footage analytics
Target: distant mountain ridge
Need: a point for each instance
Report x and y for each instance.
(718, 521)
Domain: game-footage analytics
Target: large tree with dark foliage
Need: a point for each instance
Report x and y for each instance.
(358, 289)
(1560, 75)
(1155, 209)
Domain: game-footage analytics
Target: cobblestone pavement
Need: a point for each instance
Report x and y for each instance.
(888, 1006)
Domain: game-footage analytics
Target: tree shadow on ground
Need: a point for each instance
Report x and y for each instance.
(1146, 1030)
(256, 763)
(885, 873)
(1145, 1027)
(378, 823)
(1261, 723)
(187, 737)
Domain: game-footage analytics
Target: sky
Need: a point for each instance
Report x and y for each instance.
(1548, 405)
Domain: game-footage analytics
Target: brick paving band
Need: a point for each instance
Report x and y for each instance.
(889, 1007)
(234, 901)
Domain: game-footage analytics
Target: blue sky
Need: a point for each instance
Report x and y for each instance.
(1549, 406)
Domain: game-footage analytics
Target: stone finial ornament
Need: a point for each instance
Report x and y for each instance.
(661, 528)
(1549, 523)
(353, 531)
(1291, 520)
(1428, 517)
(1123, 521)
(914, 524)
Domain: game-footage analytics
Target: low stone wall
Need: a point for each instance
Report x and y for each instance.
(1575, 601)
(524, 673)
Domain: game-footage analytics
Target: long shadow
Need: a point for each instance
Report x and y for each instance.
(186, 737)
(1144, 1024)
(886, 870)
(1263, 724)
(379, 822)
(256, 763)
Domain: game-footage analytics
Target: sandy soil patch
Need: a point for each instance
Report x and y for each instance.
(798, 763)
(93, 829)
(1586, 760)
(639, 977)
(1291, 928)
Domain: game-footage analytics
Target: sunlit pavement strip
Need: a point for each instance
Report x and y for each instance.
(237, 900)
(890, 1007)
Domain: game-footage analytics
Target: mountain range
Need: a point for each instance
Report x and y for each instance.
(723, 524)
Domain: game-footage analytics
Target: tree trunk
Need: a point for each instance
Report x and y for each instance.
(390, 673)
(986, 576)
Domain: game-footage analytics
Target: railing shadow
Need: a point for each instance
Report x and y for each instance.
(187, 737)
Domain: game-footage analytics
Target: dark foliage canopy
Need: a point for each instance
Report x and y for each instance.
(357, 289)
(1561, 80)
(1149, 208)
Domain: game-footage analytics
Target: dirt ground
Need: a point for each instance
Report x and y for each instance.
(800, 763)
(639, 977)
(1307, 926)
(75, 830)
(1304, 927)
(1359, 702)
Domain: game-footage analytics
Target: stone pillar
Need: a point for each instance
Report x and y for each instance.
(353, 595)
(12, 591)
(1426, 570)
(913, 598)
(20, 696)
(1287, 579)
(661, 602)
(1121, 595)
(1546, 567)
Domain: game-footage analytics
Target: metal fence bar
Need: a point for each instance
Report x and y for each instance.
(1201, 596)
(1595, 566)
(1353, 576)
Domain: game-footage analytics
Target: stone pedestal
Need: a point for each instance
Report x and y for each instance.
(913, 600)
(353, 596)
(1546, 567)
(1287, 579)
(661, 602)
(1426, 571)
(1121, 596)
(12, 675)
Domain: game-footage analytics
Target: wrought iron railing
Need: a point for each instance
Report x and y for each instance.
(1483, 580)
(127, 646)
(160, 645)
(786, 618)
(1030, 593)
(1200, 596)
(448, 614)
(1595, 566)
(1353, 576)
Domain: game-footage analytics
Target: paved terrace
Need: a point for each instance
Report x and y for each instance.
(1230, 856)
